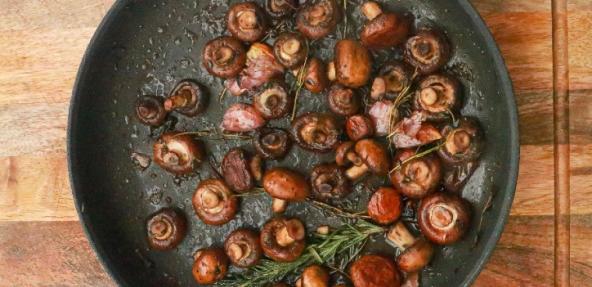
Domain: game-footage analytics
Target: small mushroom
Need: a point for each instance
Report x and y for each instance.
(418, 177)
(242, 118)
(214, 203)
(428, 51)
(374, 271)
(273, 102)
(243, 248)
(150, 110)
(290, 49)
(188, 98)
(237, 171)
(367, 156)
(224, 57)
(281, 8)
(313, 276)
(392, 79)
(285, 184)
(415, 254)
(282, 239)
(345, 155)
(359, 127)
(343, 101)
(166, 229)
(315, 77)
(462, 143)
(177, 153)
(328, 181)
(353, 64)
(443, 218)
(438, 96)
(383, 30)
(414, 131)
(316, 132)
(210, 266)
(247, 21)
(318, 18)
(381, 113)
(385, 206)
(272, 143)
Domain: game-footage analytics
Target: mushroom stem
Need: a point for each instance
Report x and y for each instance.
(284, 238)
(371, 10)
(323, 230)
(355, 172)
(400, 236)
(238, 251)
(279, 205)
(331, 74)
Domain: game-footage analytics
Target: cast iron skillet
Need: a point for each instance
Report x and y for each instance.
(145, 47)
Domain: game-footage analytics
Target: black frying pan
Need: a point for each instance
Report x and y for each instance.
(145, 47)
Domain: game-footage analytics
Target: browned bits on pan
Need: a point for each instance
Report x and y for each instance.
(353, 64)
(418, 177)
(290, 49)
(274, 101)
(247, 21)
(415, 254)
(383, 29)
(462, 143)
(282, 239)
(359, 127)
(385, 205)
(328, 181)
(374, 271)
(224, 57)
(285, 184)
(438, 96)
(243, 248)
(210, 266)
(343, 101)
(188, 98)
(443, 218)
(316, 132)
(428, 51)
(313, 276)
(236, 170)
(177, 153)
(318, 18)
(272, 143)
(214, 203)
(166, 229)
(150, 110)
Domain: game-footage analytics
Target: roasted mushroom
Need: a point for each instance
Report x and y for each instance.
(345, 154)
(177, 153)
(214, 203)
(237, 172)
(456, 175)
(392, 79)
(343, 101)
(224, 57)
(282, 239)
(353, 64)
(366, 156)
(374, 271)
(316, 132)
(272, 143)
(188, 98)
(359, 127)
(261, 68)
(383, 30)
(381, 113)
(414, 131)
(385, 205)
(315, 78)
(462, 143)
(443, 218)
(328, 181)
(246, 21)
(242, 118)
(243, 248)
(290, 49)
(438, 96)
(166, 229)
(281, 8)
(415, 254)
(210, 266)
(318, 18)
(428, 51)
(150, 110)
(418, 177)
(273, 102)
(313, 276)
(285, 184)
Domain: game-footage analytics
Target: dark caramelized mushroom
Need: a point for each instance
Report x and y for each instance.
(319, 18)
(188, 98)
(315, 79)
(290, 49)
(285, 184)
(242, 118)
(246, 21)
(392, 79)
(374, 271)
(343, 101)
(416, 253)
(418, 177)
(272, 143)
(316, 132)
(281, 8)
(443, 218)
(313, 276)
(166, 229)
(273, 102)
(385, 205)
(243, 248)
(210, 266)
(150, 110)
(224, 57)
(359, 127)
(328, 181)
(438, 96)
(177, 153)
(214, 203)
(282, 239)
(383, 30)
(463, 143)
(236, 171)
(368, 156)
(428, 51)
(352, 63)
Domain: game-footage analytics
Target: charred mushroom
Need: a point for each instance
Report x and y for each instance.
(328, 181)
(290, 49)
(224, 57)
(443, 218)
(281, 8)
(273, 102)
(313, 276)
(236, 169)
(343, 101)
(462, 143)
(282, 239)
(415, 254)
(367, 156)
(428, 51)
(381, 114)
(418, 177)
(150, 110)
(383, 30)
(352, 63)
(414, 131)
(315, 77)
(374, 271)
(285, 184)
(210, 266)
(319, 18)
(272, 143)
(316, 132)
(166, 229)
(392, 79)
(247, 22)
(177, 153)
(438, 96)
(243, 248)
(188, 98)
(385, 205)
(359, 127)
(214, 203)
(242, 118)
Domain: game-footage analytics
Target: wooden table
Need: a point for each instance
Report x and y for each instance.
(41, 44)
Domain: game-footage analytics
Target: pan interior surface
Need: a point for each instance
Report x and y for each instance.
(146, 47)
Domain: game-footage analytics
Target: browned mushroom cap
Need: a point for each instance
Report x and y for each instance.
(316, 132)
(313, 276)
(319, 18)
(273, 102)
(243, 247)
(385, 205)
(281, 8)
(392, 80)
(416, 253)
(315, 77)
(188, 98)
(443, 218)
(368, 156)
(463, 142)
(374, 271)
(418, 177)
(166, 229)
(214, 203)
(285, 184)
(177, 153)
(328, 181)
(290, 49)
(282, 239)
(236, 170)
(383, 30)
(247, 22)
(272, 143)
(343, 101)
(224, 57)
(150, 110)
(359, 127)
(438, 96)
(353, 64)
(210, 266)
(428, 51)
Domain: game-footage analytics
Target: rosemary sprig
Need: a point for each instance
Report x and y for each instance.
(299, 83)
(404, 96)
(345, 14)
(256, 191)
(338, 211)
(417, 156)
(214, 132)
(221, 95)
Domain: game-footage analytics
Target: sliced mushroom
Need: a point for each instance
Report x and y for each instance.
(236, 170)
(428, 51)
(353, 64)
(313, 276)
(318, 18)
(415, 254)
(281, 8)
(247, 21)
(150, 110)
(385, 206)
(328, 181)
(438, 96)
(224, 57)
(359, 127)
(166, 229)
(368, 156)
(210, 266)
(381, 113)
(383, 30)
(177, 153)
(343, 101)
(272, 143)
(315, 77)
(374, 271)
(392, 79)
(443, 218)
(414, 131)
(242, 118)
(290, 49)
(282, 239)
(463, 142)
(285, 184)
(273, 102)
(316, 132)
(418, 177)
(214, 203)
(243, 248)
(188, 98)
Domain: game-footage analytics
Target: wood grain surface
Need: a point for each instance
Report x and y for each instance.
(41, 45)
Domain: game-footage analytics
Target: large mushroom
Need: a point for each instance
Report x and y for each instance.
(415, 254)
(247, 21)
(239, 171)
(438, 96)
(150, 110)
(443, 218)
(177, 153)
(316, 132)
(463, 142)
(366, 156)
(392, 80)
(374, 271)
(166, 229)
(282, 239)
(285, 185)
(290, 49)
(243, 248)
(385, 206)
(343, 101)
(188, 98)
(272, 143)
(241, 118)
(383, 29)
(313, 276)
(417, 177)
(273, 102)
(224, 57)
(210, 266)
(214, 203)
(318, 18)
(353, 64)
(281, 8)
(428, 51)
(359, 127)
(328, 181)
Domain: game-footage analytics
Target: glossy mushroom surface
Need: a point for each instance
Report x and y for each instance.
(385, 206)
(428, 51)
(443, 218)
(214, 203)
(374, 271)
(353, 64)
(188, 98)
(463, 142)
(315, 77)
(282, 239)
(247, 21)
(343, 101)
(243, 248)
(359, 127)
(210, 266)
(285, 184)
(392, 79)
(415, 253)
(272, 143)
(224, 57)
(273, 102)
(328, 181)
(236, 170)
(290, 49)
(241, 118)
(166, 229)
(313, 276)
(316, 132)
(177, 153)
(150, 110)
(368, 156)
(383, 29)
(438, 96)
(318, 18)
(418, 177)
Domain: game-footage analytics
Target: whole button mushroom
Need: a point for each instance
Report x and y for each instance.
(282, 239)
(210, 266)
(241, 118)
(359, 127)
(428, 51)
(166, 229)
(150, 110)
(318, 18)
(247, 22)
(343, 101)
(285, 184)
(443, 218)
(329, 181)
(462, 143)
(385, 206)
(273, 102)
(243, 248)
(374, 271)
(214, 203)
(415, 254)
(315, 77)
(177, 153)
(281, 8)
(290, 49)
(316, 132)
(224, 57)
(418, 177)
(366, 156)
(392, 79)
(188, 98)
(438, 96)
(353, 64)
(383, 30)
(313, 276)
(272, 143)
(236, 169)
